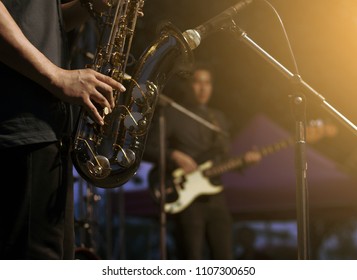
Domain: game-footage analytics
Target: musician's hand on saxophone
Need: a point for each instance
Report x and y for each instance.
(87, 88)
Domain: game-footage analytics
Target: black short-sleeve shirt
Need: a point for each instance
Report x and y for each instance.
(28, 113)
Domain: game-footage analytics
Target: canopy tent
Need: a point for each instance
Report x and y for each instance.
(269, 188)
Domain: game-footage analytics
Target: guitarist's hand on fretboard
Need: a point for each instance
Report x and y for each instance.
(252, 157)
(184, 161)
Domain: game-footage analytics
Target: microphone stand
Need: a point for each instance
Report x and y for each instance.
(162, 174)
(298, 103)
(166, 101)
(302, 89)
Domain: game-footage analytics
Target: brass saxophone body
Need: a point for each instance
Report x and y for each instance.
(108, 156)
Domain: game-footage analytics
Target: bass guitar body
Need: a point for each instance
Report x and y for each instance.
(182, 189)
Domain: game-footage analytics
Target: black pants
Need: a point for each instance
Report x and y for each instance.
(206, 221)
(36, 209)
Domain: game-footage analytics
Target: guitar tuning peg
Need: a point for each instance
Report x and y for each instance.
(318, 128)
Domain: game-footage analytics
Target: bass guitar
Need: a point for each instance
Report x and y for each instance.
(182, 189)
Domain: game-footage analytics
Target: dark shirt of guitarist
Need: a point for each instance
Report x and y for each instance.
(205, 225)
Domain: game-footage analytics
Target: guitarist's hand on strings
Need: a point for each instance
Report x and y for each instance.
(184, 161)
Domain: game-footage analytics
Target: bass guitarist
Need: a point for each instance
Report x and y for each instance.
(205, 225)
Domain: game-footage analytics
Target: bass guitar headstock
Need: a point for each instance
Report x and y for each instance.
(318, 129)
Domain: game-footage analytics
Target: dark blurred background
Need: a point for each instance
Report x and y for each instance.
(323, 38)
(322, 35)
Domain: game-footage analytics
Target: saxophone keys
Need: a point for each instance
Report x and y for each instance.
(115, 59)
(127, 77)
(140, 8)
(115, 74)
(151, 89)
(100, 168)
(111, 3)
(106, 111)
(126, 157)
(135, 123)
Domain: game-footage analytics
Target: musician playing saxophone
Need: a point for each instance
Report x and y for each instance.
(36, 213)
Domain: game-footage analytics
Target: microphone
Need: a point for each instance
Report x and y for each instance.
(194, 36)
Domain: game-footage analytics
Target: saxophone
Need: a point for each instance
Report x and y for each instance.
(108, 156)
